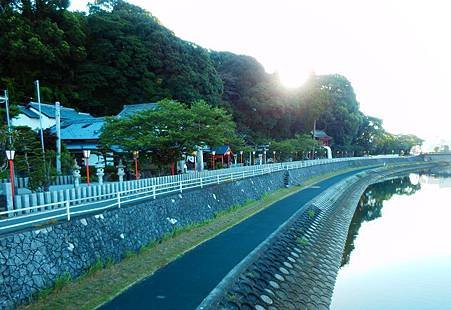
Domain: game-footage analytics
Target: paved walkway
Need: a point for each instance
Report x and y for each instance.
(185, 282)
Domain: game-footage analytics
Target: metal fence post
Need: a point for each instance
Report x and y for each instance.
(68, 209)
(201, 185)
(231, 176)
(118, 199)
(154, 191)
(217, 177)
(181, 187)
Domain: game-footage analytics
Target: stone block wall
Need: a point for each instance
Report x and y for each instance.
(33, 259)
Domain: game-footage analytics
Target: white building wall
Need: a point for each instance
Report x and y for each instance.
(23, 120)
(33, 123)
(47, 122)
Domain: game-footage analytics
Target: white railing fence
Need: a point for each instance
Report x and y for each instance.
(63, 204)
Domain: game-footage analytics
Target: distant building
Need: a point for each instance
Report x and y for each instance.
(29, 115)
(320, 135)
(81, 134)
(223, 153)
(131, 109)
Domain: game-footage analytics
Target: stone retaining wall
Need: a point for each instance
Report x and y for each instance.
(32, 260)
(296, 267)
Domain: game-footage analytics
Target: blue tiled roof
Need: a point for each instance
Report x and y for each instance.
(131, 109)
(66, 113)
(321, 134)
(221, 150)
(81, 129)
(27, 112)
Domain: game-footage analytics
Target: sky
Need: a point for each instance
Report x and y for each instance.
(396, 53)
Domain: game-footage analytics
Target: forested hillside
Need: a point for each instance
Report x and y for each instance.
(118, 53)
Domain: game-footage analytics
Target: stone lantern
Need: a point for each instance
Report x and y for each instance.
(76, 173)
(100, 173)
(120, 171)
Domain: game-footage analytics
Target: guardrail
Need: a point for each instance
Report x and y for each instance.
(65, 209)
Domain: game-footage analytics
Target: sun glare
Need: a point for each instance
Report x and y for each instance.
(293, 78)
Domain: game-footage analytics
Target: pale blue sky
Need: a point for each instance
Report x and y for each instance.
(396, 53)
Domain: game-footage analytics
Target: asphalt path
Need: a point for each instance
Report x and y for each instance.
(185, 282)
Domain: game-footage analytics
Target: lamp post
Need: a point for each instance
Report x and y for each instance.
(135, 158)
(264, 156)
(253, 157)
(195, 156)
(213, 159)
(10, 156)
(273, 156)
(241, 156)
(86, 154)
(228, 159)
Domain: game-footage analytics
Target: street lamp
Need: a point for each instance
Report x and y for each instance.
(253, 157)
(264, 154)
(241, 156)
(228, 159)
(10, 155)
(274, 156)
(86, 154)
(213, 153)
(135, 158)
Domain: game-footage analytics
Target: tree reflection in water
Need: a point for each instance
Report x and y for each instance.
(370, 207)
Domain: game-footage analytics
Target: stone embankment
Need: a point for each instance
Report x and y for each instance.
(33, 259)
(296, 267)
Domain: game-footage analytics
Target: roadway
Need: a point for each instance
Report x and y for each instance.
(185, 282)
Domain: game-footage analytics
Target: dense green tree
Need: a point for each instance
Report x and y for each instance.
(253, 96)
(119, 54)
(171, 130)
(132, 58)
(297, 148)
(341, 117)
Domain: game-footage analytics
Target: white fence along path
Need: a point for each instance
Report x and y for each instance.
(46, 206)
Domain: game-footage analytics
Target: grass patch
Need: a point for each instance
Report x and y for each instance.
(104, 280)
(311, 213)
(301, 241)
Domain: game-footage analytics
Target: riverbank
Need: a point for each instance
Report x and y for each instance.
(307, 249)
(38, 258)
(108, 280)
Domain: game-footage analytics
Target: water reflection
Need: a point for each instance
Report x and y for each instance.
(398, 251)
(370, 206)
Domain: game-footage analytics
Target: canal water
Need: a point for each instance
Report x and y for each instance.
(398, 251)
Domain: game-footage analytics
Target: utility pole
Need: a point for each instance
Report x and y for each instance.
(58, 137)
(314, 133)
(38, 96)
(8, 121)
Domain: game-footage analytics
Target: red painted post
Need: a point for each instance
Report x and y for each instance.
(136, 169)
(87, 170)
(11, 177)
(135, 158)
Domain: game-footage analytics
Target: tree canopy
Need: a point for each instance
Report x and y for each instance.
(171, 130)
(118, 53)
